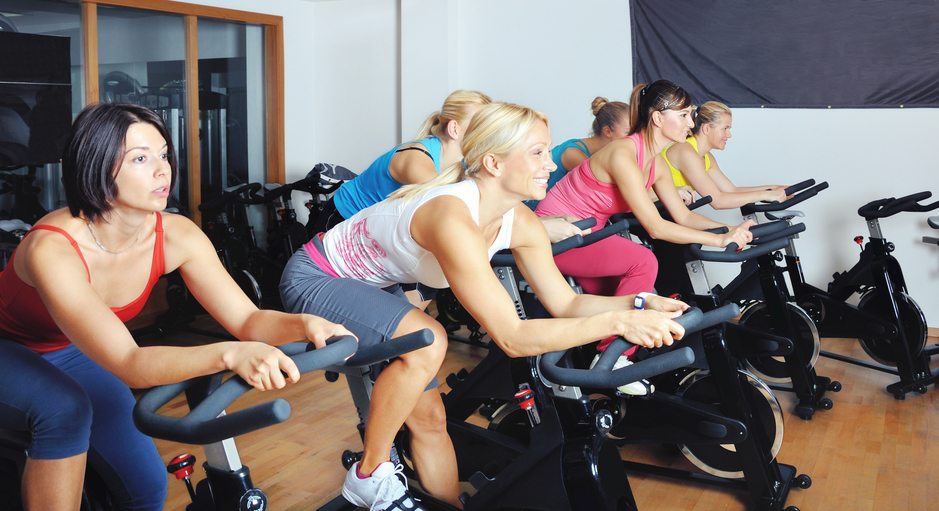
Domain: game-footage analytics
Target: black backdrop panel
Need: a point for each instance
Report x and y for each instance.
(791, 53)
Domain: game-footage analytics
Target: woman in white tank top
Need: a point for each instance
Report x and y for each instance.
(441, 233)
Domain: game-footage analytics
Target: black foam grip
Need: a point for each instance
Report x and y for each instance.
(392, 348)
(779, 206)
(611, 379)
(585, 223)
(700, 202)
(202, 425)
(798, 187)
(606, 232)
(787, 232)
(730, 254)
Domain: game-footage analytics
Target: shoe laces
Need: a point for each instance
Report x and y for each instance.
(393, 492)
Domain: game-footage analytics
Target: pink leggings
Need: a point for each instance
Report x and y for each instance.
(614, 266)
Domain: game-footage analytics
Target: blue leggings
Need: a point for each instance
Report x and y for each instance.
(70, 405)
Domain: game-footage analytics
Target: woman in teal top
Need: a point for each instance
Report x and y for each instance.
(436, 146)
(611, 121)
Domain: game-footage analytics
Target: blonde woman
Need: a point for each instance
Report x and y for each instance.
(442, 234)
(694, 167)
(436, 146)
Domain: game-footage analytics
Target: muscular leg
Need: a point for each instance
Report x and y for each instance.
(432, 450)
(53, 484)
(398, 391)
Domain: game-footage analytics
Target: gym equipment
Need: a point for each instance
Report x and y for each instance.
(933, 222)
(887, 321)
(228, 484)
(767, 310)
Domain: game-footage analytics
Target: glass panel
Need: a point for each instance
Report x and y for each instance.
(141, 60)
(231, 99)
(41, 89)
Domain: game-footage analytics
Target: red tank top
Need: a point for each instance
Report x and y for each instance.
(24, 317)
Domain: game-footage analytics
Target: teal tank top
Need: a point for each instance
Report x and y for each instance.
(556, 153)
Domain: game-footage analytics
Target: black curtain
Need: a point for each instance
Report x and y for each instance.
(795, 53)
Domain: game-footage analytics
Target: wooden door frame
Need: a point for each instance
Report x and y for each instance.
(273, 27)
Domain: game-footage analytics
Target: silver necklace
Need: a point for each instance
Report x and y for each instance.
(106, 249)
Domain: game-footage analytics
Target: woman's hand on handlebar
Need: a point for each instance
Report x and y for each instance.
(775, 194)
(686, 194)
(740, 235)
(261, 365)
(560, 227)
(318, 330)
(670, 306)
(648, 328)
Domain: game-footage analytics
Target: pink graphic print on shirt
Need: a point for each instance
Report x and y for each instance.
(357, 249)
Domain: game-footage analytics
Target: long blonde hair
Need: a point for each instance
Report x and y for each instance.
(497, 128)
(455, 108)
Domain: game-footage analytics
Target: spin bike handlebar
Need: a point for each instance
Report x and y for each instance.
(231, 194)
(391, 349)
(767, 243)
(203, 425)
(882, 208)
(602, 375)
(806, 190)
(508, 259)
(663, 212)
(309, 184)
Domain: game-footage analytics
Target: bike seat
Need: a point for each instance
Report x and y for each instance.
(787, 214)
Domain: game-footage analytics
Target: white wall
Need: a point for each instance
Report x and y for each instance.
(350, 96)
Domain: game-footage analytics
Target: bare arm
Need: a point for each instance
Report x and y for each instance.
(412, 167)
(460, 250)
(724, 195)
(621, 166)
(221, 297)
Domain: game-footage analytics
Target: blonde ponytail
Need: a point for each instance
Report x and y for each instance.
(497, 128)
(456, 107)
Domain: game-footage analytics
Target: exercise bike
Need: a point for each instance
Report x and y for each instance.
(228, 485)
(933, 222)
(887, 321)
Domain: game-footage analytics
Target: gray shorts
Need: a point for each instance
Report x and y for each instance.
(372, 314)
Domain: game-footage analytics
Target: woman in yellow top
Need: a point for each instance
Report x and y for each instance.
(694, 167)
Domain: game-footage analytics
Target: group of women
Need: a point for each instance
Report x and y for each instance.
(426, 215)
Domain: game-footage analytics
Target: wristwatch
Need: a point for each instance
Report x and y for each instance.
(639, 302)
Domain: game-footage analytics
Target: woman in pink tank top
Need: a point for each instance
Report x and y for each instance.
(617, 179)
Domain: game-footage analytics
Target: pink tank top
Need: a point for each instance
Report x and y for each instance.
(580, 194)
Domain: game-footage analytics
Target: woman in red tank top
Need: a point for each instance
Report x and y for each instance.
(79, 275)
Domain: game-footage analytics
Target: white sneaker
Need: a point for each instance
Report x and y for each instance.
(636, 388)
(385, 490)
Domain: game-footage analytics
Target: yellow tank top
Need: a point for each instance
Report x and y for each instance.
(677, 177)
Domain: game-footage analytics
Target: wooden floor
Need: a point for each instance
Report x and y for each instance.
(870, 452)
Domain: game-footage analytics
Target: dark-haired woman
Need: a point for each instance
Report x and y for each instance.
(617, 179)
(67, 361)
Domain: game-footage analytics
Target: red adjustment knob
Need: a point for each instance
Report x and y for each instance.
(181, 466)
(525, 399)
(859, 240)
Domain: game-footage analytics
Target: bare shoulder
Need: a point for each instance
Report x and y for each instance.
(182, 239)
